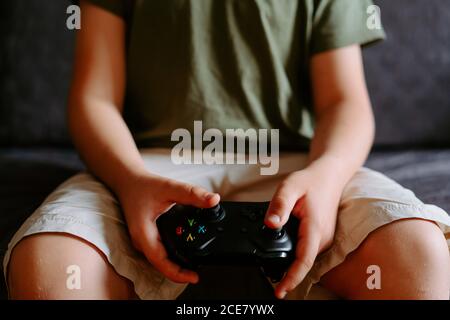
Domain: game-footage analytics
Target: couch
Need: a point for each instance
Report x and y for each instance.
(408, 77)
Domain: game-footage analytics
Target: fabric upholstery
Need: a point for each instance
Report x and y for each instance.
(29, 175)
(408, 75)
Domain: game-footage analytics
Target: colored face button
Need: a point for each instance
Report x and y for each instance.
(190, 238)
(179, 231)
(191, 222)
(201, 229)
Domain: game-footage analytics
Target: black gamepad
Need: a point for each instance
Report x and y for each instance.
(231, 233)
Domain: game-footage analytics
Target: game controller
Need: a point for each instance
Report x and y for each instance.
(231, 233)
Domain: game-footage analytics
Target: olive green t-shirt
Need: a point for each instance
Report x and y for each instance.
(230, 63)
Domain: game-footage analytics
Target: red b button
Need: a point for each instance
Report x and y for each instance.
(179, 231)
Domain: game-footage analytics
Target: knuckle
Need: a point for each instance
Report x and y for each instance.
(170, 273)
(187, 189)
(165, 270)
(280, 205)
(280, 201)
(181, 189)
(293, 279)
(195, 190)
(308, 262)
(175, 278)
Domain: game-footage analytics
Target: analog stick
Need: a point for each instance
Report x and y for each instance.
(273, 234)
(214, 213)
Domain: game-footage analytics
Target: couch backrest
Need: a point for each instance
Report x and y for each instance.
(408, 75)
(35, 67)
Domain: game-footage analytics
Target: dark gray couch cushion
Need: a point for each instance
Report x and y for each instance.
(408, 75)
(28, 176)
(36, 51)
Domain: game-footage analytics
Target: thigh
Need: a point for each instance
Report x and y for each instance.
(62, 266)
(411, 258)
(83, 208)
(371, 202)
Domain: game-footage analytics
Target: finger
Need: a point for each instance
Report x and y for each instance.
(155, 252)
(187, 194)
(306, 253)
(281, 206)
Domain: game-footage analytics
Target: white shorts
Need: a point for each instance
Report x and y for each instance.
(84, 207)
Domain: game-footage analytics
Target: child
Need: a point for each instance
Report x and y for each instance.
(146, 68)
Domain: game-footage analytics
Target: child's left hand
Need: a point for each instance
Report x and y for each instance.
(312, 195)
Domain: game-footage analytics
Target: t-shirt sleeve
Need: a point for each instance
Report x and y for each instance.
(117, 7)
(340, 23)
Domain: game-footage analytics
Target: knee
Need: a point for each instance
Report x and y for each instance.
(413, 257)
(39, 268)
(27, 271)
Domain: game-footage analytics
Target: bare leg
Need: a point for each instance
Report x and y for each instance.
(38, 270)
(413, 257)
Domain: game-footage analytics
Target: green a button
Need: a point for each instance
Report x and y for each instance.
(191, 222)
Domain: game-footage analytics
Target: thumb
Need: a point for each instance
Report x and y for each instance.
(281, 206)
(187, 194)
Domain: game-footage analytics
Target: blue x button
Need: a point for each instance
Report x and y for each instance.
(201, 229)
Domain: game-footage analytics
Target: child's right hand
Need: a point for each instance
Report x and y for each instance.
(143, 200)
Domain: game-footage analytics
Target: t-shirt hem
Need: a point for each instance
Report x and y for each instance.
(364, 42)
(112, 6)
